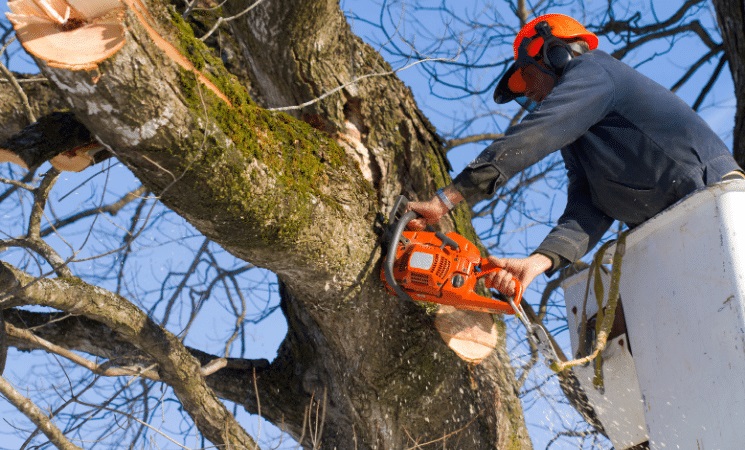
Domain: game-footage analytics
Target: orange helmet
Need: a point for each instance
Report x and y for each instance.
(529, 42)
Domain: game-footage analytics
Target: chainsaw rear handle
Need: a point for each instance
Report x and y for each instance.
(395, 237)
(393, 244)
(517, 298)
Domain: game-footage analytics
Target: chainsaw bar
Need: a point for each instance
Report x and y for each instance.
(538, 336)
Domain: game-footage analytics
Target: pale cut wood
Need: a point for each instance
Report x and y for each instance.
(471, 335)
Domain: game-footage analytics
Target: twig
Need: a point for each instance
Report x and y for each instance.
(258, 403)
(452, 143)
(222, 20)
(213, 366)
(17, 184)
(444, 437)
(28, 80)
(143, 423)
(98, 369)
(356, 80)
(111, 209)
(17, 87)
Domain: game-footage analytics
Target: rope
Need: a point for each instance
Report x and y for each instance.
(605, 316)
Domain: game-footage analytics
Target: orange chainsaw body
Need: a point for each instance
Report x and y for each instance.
(431, 269)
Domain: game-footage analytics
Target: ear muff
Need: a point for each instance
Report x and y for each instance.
(557, 57)
(556, 53)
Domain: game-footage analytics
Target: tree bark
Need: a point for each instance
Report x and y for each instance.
(303, 202)
(731, 16)
(43, 100)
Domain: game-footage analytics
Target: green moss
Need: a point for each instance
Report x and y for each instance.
(299, 157)
(515, 442)
(73, 281)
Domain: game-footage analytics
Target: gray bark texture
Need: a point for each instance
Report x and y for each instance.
(731, 16)
(299, 193)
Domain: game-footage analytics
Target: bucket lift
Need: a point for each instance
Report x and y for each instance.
(676, 377)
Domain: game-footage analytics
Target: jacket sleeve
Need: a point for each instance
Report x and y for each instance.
(582, 97)
(581, 225)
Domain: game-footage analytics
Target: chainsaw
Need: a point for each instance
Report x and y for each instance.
(431, 266)
(435, 267)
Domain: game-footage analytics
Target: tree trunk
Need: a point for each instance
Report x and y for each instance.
(731, 16)
(303, 201)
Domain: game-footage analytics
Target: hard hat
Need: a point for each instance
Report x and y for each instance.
(528, 44)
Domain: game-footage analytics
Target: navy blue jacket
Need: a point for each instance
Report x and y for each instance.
(631, 149)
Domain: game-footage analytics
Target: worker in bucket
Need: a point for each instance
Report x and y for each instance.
(630, 146)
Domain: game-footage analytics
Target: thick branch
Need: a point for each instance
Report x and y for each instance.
(42, 98)
(232, 382)
(267, 189)
(49, 136)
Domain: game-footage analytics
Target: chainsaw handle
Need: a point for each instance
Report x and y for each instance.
(517, 298)
(391, 255)
(446, 240)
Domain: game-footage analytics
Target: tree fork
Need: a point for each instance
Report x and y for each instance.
(274, 191)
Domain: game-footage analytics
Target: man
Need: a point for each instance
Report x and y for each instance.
(631, 147)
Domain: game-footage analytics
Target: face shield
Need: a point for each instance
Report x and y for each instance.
(512, 85)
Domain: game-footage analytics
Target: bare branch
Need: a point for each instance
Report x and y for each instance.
(356, 80)
(37, 416)
(709, 84)
(111, 209)
(222, 20)
(16, 86)
(451, 144)
(98, 369)
(18, 184)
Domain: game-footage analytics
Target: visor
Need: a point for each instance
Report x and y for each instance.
(512, 84)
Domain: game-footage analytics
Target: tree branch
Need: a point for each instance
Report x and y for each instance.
(222, 20)
(37, 416)
(229, 377)
(48, 137)
(452, 143)
(111, 209)
(17, 87)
